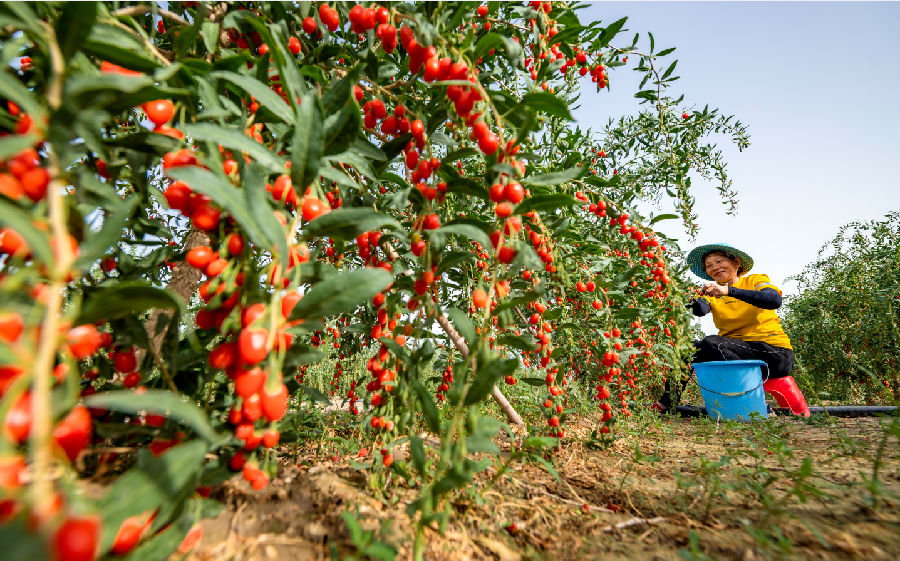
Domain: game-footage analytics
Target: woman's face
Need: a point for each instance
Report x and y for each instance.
(721, 268)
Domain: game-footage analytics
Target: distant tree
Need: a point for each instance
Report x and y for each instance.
(845, 323)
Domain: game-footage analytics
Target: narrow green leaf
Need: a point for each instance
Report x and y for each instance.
(610, 32)
(123, 300)
(259, 206)
(517, 342)
(209, 31)
(552, 179)
(548, 103)
(226, 196)
(263, 94)
(347, 223)
(417, 453)
(487, 377)
(627, 313)
(116, 45)
(12, 144)
(315, 394)
(342, 293)
(429, 410)
(664, 52)
(662, 217)
(236, 140)
(481, 444)
(341, 129)
(669, 70)
(487, 42)
(149, 142)
(73, 26)
(546, 202)
(462, 324)
(161, 402)
(472, 232)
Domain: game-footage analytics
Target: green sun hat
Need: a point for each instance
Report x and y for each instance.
(695, 258)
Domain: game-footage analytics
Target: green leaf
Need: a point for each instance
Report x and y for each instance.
(548, 103)
(26, 16)
(546, 202)
(568, 34)
(664, 52)
(552, 179)
(347, 223)
(429, 411)
(73, 25)
(462, 324)
(263, 94)
(148, 142)
(417, 453)
(341, 129)
(209, 31)
(487, 376)
(481, 444)
(152, 483)
(236, 140)
(610, 32)
(342, 293)
(669, 70)
(113, 44)
(20, 542)
(662, 217)
(537, 382)
(12, 144)
(627, 313)
(258, 204)
(20, 221)
(474, 233)
(516, 342)
(226, 196)
(126, 299)
(337, 96)
(487, 42)
(453, 259)
(315, 394)
(161, 402)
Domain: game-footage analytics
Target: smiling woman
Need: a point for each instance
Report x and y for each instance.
(743, 308)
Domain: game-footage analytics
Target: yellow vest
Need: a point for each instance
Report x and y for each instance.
(746, 322)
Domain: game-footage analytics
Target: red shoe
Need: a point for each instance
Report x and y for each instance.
(787, 394)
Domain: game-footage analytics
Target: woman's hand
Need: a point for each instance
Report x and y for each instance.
(714, 289)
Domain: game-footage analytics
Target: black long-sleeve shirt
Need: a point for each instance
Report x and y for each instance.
(767, 299)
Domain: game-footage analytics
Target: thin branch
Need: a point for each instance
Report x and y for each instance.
(142, 9)
(463, 349)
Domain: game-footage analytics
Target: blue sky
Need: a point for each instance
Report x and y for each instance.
(818, 86)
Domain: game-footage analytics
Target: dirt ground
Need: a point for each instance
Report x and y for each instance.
(694, 490)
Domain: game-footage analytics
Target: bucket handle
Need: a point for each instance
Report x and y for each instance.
(738, 394)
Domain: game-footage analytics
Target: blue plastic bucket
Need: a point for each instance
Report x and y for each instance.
(732, 389)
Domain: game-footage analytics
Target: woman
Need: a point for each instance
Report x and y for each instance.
(743, 308)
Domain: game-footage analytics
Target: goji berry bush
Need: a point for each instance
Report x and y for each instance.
(845, 323)
(199, 202)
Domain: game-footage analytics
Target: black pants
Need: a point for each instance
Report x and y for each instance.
(715, 347)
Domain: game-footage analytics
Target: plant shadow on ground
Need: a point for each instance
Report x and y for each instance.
(665, 488)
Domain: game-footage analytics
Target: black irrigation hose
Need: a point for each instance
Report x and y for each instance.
(833, 410)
